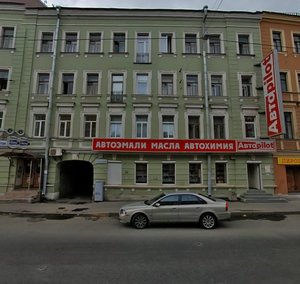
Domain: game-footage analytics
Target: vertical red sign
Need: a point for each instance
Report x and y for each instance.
(273, 95)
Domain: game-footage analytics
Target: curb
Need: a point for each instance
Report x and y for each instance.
(234, 215)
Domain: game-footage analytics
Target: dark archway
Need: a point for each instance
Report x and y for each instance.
(75, 179)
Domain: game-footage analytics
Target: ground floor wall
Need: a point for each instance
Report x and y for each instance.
(287, 173)
(136, 176)
(139, 176)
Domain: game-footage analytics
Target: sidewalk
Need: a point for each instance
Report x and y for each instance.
(85, 208)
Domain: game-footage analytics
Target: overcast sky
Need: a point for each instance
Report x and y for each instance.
(235, 5)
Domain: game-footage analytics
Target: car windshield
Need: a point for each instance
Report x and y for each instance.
(150, 201)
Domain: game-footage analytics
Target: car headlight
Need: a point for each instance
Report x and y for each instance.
(123, 212)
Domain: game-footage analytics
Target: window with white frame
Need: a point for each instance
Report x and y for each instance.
(214, 44)
(244, 47)
(39, 125)
(1, 119)
(142, 84)
(4, 73)
(250, 126)
(168, 173)
(141, 126)
(288, 125)
(67, 87)
(247, 85)
(190, 43)
(90, 124)
(141, 173)
(216, 85)
(219, 127)
(296, 38)
(7, 37)
(194, 127)
(71, 42)
(64, 129)
(277, 41)
(115, 126)
(192, 88)
(95, 43)
(119, 42)
(221, 172)
(142, 48)
(43, 83)
(168, 126)
(283, 81)
(167, 84)
(92, 83)
(46, 42)
(167, 43)
(195, 173)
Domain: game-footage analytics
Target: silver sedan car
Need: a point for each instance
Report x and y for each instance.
(176, 207)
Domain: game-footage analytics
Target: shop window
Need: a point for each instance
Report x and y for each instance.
(195, 173)
(168, 173)
(221, 172)
(141, 173)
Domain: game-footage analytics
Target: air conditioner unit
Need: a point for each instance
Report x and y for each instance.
(55, 152)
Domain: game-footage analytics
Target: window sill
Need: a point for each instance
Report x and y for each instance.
(245, 55)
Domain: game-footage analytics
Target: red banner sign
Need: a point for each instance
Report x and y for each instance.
(180, 145)
(273, 95)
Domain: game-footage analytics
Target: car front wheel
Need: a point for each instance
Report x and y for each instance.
(208, 221)
(139, 221)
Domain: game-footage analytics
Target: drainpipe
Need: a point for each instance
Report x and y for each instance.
(49, 113)
(207, 118)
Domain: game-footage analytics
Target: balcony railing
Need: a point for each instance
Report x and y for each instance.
(116, 98)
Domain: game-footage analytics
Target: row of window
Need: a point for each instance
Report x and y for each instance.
(142, 126)
(119, 43)
(142, 83)
(168, 126)
(279, 41)
(168, 173)
(167, 42)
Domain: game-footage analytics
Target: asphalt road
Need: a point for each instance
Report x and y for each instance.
(79, 250)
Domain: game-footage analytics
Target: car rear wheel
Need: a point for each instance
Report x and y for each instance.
(139, 221)
(208, 221)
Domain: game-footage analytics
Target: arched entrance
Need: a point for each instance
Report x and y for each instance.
(75, 179)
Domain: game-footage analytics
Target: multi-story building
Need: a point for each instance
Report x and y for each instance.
(172, 97)
(282, 32)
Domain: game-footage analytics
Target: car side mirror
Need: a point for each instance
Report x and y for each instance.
(157, 204)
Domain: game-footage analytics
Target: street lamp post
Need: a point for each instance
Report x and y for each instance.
(207, 118)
